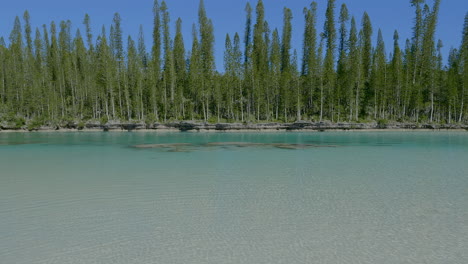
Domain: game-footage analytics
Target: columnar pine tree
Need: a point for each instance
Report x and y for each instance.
(195, 75)
(329, 33)
(229, 75)
(309, 61)
(248, 74)
(206, 58)
(180, 70)
(354, 73)
(140, 80)
(260, 60)
(342, 68)
(116, 44)
(396, 79)
(286, 69)
(428, 60)
(464, 72)
(275, 65)
(155, 75)
(168, 80)
(379, 79)
(236, 68)
(366, 53)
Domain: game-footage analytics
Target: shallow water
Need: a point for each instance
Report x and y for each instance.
(333, 197)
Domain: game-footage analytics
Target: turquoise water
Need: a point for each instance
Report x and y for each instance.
(332, 197)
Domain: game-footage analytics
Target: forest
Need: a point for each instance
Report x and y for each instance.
(50, 74)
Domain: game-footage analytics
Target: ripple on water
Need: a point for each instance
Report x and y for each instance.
(248, 201)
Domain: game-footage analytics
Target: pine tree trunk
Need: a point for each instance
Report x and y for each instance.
(127, 101)
(277, 107)
(204, 112)
(218, 106)
(62, 100)
(241, 98)
(120, 97)
(450, 115)
(357, 100)
(258, 109)
(461, 105)
(432, 106)
(113, 106)
(298, 109)
(285, 115)
(321, 101)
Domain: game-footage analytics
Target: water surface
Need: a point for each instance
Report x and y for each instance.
(333, 197)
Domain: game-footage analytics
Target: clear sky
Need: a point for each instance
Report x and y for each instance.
(229, 17)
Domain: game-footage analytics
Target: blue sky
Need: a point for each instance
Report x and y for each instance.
(229, 17)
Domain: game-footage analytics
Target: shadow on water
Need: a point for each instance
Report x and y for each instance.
(19, 143)
(188, 147)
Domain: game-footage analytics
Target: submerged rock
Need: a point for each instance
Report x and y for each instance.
(155, 146)
(187, 147)
(233, 144)
(276, 145)
(20, 143)
(292, 146)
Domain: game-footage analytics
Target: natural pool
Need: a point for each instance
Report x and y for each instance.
(332, 197)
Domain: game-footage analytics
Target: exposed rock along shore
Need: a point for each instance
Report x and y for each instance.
(203, 126)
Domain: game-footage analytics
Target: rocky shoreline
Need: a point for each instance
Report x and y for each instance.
(204, 127)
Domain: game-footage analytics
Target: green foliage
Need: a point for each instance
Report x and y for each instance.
(19, 122)
(382, 123)
(81, 125)
(67, 121)
(13, 120)
(150, 119)
(213, 120)
(104, 120)
(35, 124)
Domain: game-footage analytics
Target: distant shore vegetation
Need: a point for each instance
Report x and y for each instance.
(50, 73)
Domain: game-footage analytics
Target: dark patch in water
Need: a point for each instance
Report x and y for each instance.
(19, 143)
(170, 145)
(187, 147)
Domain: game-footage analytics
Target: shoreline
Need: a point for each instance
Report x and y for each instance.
(194, 127)
(266, 131)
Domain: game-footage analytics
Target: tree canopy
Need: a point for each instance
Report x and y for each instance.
(50, 73)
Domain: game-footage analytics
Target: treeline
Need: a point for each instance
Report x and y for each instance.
(48, 74)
